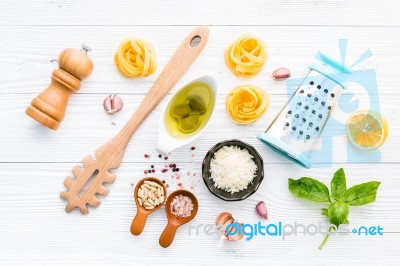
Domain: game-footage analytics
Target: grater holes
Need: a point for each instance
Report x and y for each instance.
(309, 109)
(286, 126)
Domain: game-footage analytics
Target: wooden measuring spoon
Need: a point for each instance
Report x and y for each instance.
(139, 221)
(174, 222)
(109, 156)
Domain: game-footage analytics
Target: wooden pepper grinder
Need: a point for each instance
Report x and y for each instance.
(49, 107)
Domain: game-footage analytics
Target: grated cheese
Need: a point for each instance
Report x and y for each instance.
(232, 169)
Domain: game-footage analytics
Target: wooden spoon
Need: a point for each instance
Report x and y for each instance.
(109, 156)
(174, 222)
(139, 221)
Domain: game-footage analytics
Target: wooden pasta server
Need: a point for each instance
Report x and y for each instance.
(110, 155)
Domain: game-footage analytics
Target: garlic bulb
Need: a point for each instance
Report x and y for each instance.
(223, 220)
(113, 104)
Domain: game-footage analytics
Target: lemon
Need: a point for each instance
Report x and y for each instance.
(367, 130)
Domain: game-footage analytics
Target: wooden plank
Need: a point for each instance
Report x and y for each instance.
(87, 126)
(27, 61)
(36, 225)
(34, 228)
(235, 12)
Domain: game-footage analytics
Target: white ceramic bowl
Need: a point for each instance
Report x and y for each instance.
(167, 142)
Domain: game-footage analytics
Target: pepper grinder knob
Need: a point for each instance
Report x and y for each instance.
(49, 106)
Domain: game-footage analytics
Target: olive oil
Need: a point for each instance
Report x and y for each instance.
(189, 110)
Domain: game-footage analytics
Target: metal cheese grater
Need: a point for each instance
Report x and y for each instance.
(298, 126)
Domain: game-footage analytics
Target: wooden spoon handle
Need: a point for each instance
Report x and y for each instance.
(180, 61)
(138, 222)
(168, 235)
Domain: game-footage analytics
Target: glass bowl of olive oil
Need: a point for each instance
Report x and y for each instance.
(187, 114)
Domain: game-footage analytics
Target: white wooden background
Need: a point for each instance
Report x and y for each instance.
(35, 230)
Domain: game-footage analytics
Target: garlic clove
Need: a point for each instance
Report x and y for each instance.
(223, 217)
(221, 242)
(238, 236)
(281, 73)
(116, 103)
(113, 104)
(223, 229)
(261, 210)
(107, 104)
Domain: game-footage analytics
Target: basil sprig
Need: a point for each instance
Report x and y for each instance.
(340, 198)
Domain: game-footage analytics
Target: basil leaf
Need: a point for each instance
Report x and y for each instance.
(309, 188)
(338, 184)
(324, 212)
(338, 212)
(361, 194)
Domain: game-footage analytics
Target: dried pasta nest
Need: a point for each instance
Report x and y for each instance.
(135, 58)
(246, 56)
(245, 104)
